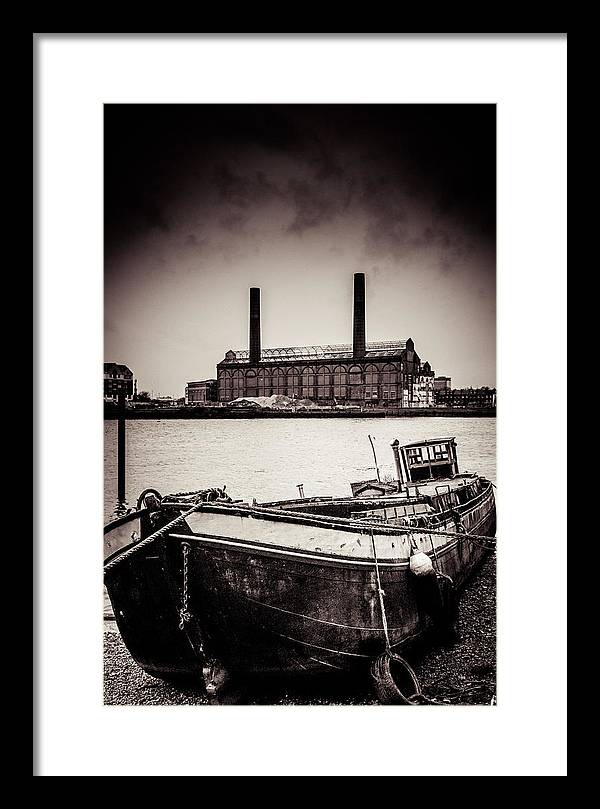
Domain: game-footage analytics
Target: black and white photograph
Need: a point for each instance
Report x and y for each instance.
(298, 478)
(300, 402)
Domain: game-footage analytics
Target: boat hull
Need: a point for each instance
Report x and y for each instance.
(262, 609)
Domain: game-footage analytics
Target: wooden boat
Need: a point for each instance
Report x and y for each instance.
(202, 586)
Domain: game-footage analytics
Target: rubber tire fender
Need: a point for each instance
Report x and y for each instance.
(394, 681)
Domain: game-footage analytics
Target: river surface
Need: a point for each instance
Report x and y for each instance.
(267, 458)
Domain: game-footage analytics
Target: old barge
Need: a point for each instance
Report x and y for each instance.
(203, 587)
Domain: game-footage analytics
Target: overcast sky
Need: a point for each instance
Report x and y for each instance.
(202, 202)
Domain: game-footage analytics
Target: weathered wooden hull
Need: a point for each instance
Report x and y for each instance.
(272, 608)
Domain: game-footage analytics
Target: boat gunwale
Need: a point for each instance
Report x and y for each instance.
(350, 525)
(319, 520)
(319, 556)
(125, 518)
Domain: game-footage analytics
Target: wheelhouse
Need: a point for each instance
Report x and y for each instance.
(425, 460)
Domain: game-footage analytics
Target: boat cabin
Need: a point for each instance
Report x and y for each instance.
(372, 488)
(425, 460)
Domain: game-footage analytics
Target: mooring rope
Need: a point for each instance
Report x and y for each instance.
(381, 592)
(381, 664)
(343, 522)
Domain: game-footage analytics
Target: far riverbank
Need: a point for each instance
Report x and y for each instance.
(225, 412)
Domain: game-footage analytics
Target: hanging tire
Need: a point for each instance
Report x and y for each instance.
(394, 680)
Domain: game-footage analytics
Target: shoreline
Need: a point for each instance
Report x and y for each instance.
(111, 413)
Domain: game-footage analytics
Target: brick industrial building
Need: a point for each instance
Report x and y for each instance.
(201, 392)
(466, 397)
(389, 372)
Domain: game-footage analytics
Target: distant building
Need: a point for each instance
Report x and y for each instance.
(164, 401)
(423, 392)
(200, 392)
(442, 383)
(117, 378)
(386, 372)
(466, 397)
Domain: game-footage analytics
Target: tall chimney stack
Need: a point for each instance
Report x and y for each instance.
(254, 325)
(359, 343)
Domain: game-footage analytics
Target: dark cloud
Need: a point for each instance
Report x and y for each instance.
(152, 215)
(233, 222)
(421, 174)
(242, 191)
(323, 160)
(191, 240)
(313, 206)
(202, 201)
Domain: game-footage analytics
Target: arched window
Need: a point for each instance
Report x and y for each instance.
(389, 375)
(265, 382)
(279, 385)
(225, 386)
(324, 383)
(238, 384)
(251, 383)
(355, 382)
(371, 391)
(340, 381)
(309, 378)
(371, 375)
(293, 382)
(388, 388)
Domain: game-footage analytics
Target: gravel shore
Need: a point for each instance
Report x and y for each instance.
(463, 674)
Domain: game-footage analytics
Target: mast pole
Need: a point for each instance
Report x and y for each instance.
(375, 458)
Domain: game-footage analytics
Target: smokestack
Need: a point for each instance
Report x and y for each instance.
(359, 343)
(254, 325)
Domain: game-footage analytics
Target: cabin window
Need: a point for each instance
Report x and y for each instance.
(414, 455)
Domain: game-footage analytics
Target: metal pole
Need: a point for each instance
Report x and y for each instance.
(121, 446)
(375, 458)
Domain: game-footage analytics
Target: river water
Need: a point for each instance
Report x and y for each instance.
(268, 458)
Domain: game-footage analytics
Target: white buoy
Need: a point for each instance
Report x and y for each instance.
(420, 564)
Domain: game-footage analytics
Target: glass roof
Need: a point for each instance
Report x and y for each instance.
(383, 348)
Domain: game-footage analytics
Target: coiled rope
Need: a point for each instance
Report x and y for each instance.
(205, 495)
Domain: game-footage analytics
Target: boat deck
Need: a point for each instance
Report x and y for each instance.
(316, 534)
(224, 529)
